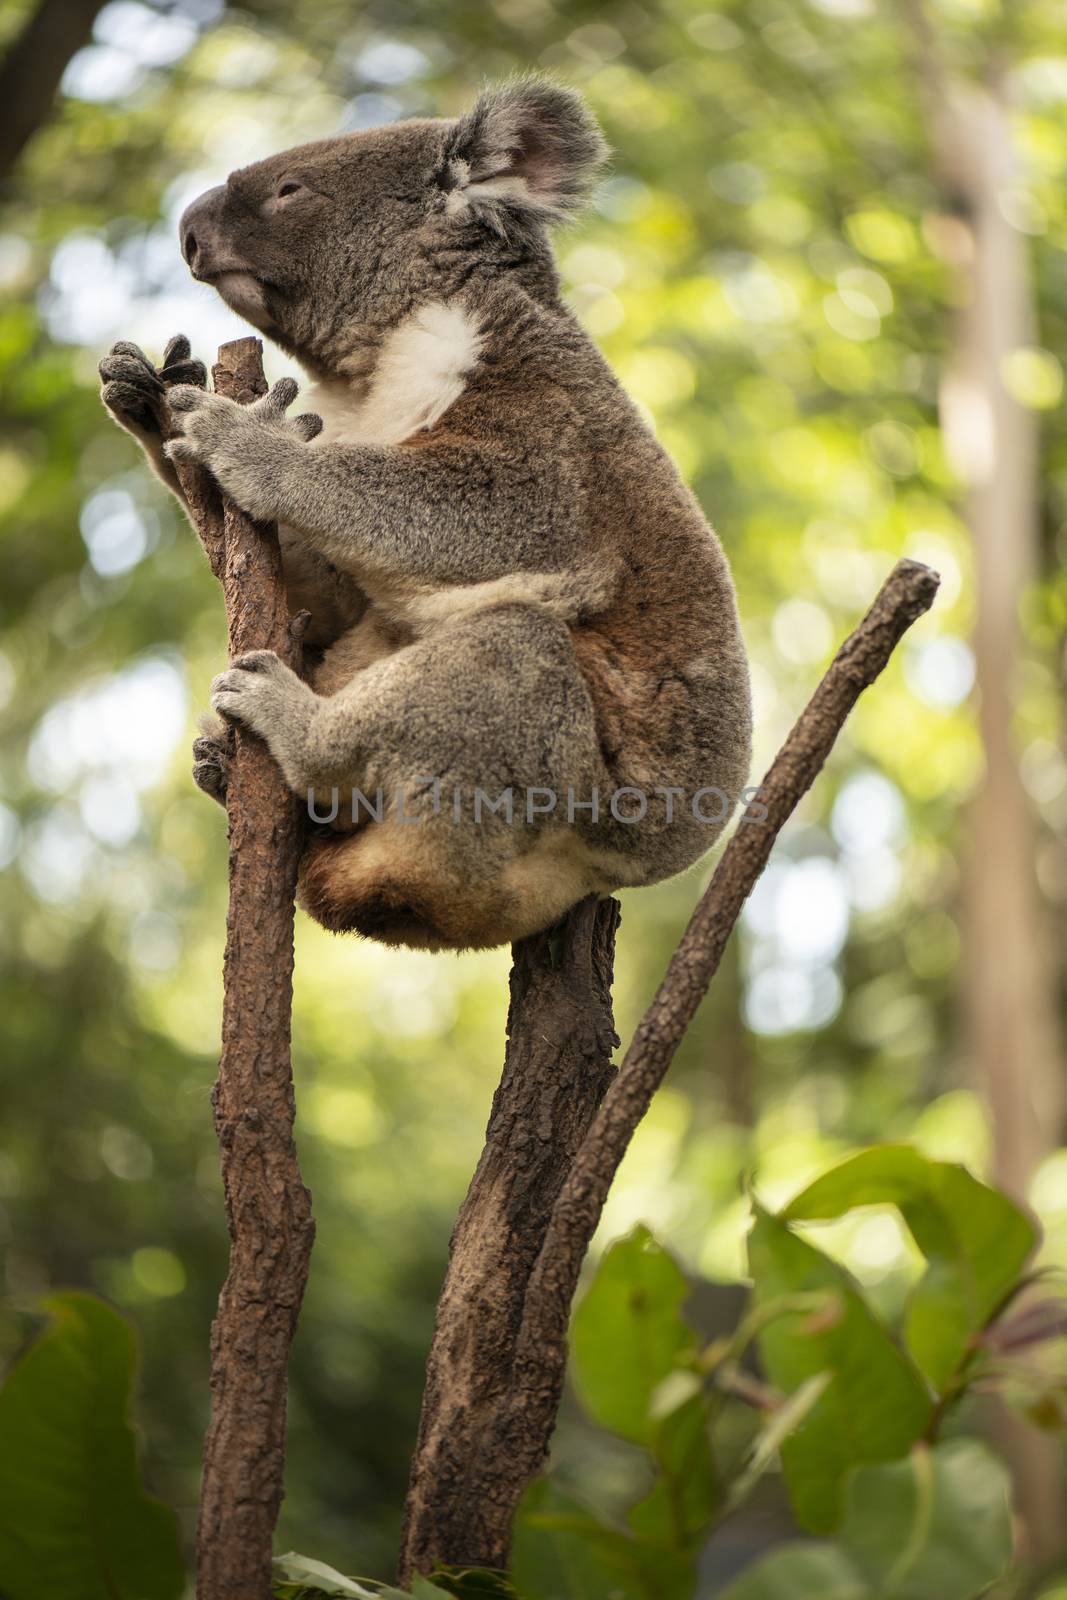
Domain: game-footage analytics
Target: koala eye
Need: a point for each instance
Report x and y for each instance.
(289, 187)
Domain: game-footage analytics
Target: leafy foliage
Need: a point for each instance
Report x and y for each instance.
(852, 1414)
(936, 1524)
(299, 1576)
(75, 1523)
(302, 1578)
(848, 1411)
(562, 1550)
(629, 1334)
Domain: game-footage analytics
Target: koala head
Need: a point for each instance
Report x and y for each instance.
(327, 246)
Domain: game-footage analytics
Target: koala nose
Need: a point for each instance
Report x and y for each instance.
(198, 230)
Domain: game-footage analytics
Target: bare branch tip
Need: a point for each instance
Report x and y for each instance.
(240, 349)
(918, 582)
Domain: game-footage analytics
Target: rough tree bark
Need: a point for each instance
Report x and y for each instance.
(557, 1068)
(506, 1392)
(268, 1209)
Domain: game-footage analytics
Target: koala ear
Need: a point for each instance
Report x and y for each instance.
(528, 151)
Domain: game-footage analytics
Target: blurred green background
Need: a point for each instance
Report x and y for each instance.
(829, 261)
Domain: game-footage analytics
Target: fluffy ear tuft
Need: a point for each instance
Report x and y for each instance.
(528, 151)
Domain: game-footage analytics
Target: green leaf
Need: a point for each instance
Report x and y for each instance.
(629, 1345)
(422, 1588)
(934, 1527)
(471, 1583)
(974, 1239)
(937, 1524)
(977, 1243)
(887, 1174)
(800, 1572)
(75, 1523)
(561, 1552)
(318, 1578)
(685, 1495)
(629, 1335)
(876, 1404)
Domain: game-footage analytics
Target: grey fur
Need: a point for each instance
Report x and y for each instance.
(520, 592)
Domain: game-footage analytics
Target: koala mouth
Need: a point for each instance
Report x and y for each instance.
(241, 291)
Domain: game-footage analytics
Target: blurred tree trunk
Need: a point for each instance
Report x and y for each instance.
(992, 439)
(31, 70)
(1011, 1021)
(1011, 992)
(1011, 1002)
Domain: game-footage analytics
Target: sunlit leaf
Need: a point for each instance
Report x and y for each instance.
(315, 1577)
(974, 1239)
(936, 1526)
(629, 1334)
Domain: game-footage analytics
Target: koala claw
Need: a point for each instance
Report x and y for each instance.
(280, 397)
(181, 450)
(178, 351)
(130, 406)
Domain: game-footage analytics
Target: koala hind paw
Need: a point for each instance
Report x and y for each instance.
(253, 689)
(211, 764)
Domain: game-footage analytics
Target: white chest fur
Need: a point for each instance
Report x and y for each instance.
(421, 371)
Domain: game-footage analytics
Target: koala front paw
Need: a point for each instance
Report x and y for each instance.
(212, 426)
(242, 446)
(134, 390)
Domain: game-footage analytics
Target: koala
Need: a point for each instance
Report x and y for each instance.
(526, 664)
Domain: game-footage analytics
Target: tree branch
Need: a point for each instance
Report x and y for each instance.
(557, 1067)
(31, 71)
(268, 1209)
(506, 1446)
